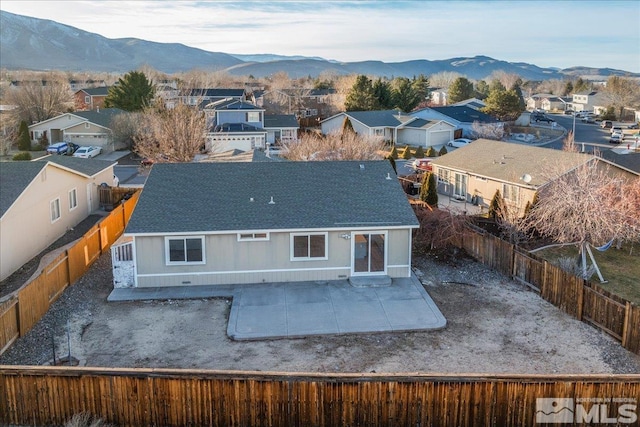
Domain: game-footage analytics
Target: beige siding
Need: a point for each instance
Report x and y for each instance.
(26, 228)
(89, 134)
(229, 261)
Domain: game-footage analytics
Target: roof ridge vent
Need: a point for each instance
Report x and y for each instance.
(271, 202)
(361, 166)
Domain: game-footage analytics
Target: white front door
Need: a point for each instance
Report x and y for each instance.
(369, 253)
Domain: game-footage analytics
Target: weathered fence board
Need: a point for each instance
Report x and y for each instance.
(134, 397)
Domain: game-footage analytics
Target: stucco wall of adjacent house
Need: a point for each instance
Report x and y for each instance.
(229, 261)
(27, 229)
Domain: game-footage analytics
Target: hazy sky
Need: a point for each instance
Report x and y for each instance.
(545, 33)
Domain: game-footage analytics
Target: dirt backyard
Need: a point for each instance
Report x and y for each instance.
(494, 326)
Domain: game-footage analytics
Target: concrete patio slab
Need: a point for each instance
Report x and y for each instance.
(301, 309)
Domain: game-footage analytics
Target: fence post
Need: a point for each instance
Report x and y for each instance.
(625, 324)
(581, 300)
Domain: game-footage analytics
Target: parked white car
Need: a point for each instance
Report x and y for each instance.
(459, 142)
(87, 152)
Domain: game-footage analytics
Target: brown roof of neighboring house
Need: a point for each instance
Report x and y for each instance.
(510, 162)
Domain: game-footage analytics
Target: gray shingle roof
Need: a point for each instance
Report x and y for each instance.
(14, 178)
(88, 167)
(280, 121)
(508, 162)
(465, 114)
(232, 105)
(388, 118)
(102, 117)
(96, 91)
(202, 197)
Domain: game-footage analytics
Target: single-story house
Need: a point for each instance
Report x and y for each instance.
(462, 117)
(474, 103)
(256, 222)
(79, 127)
(40, 200)
(474, 172)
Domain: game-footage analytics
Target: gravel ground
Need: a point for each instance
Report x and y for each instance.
(494, 325)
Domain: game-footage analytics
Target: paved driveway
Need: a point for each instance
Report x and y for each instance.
(298, 309)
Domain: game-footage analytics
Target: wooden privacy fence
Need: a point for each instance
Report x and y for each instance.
(164, 397)
(581, 299)
(21, 310)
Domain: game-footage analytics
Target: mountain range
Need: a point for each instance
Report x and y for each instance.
(40, 44)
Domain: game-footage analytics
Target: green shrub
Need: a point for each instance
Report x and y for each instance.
(394, 153)
(442, 151)
(431, 152)
(407, 153)
(24, 142)
(419, 152)
(23, 155)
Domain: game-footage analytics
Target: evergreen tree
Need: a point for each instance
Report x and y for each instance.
(482, 89)
(393, 164)
(518, 91)
(360, 96)
(495, 207)
(443, 151)
(347, 127)
(382, 94)
(505, 105)
(405, 96)
(460, 89)
(406, 153)
(428, 189)
(133, 92)
(394, 153)
(580, 85)
(496, 85)
(431, 152)
(419, 152)
(421, 86)
(24, 142)
(568, 88)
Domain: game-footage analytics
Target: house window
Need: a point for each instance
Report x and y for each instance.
(184, 250)
(443, 175)
(253, 116)
(87, 99)
(252, 236)
(510, 192)
(308, 246)
(73, 199)
(55, 210)
(86, 125)
(378, 132)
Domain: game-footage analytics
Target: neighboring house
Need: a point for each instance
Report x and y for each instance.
(548, 102)
(281, 128)
(393, 126)
(628, 162)
(474, 103)
(383, 124)
(589, 101)
(203, 97)
(438, 96)
(90, 98)
(234, 223)
(40, 200)
(534, 102)
(80, 127)
(235, 124)
(303, 103)
(76, 85)
(462, 117)
(473, 173)
(234, 156)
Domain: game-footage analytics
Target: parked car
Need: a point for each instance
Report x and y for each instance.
(633, 126)
(616, 129)
(459, 142)
(568, 112)
(543, 119)
(58, 148)
(589, 119)
(606, 124)
(87, 152)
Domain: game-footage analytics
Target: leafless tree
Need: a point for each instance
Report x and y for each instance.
(335, 146)
(443, 79)
(488, 131)
(507, 79)
(41, 99)
(171, 135)
(124, 127)
(440, 228)
(622, 92)
(590, 205)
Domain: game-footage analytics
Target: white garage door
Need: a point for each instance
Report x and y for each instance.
(440, 137)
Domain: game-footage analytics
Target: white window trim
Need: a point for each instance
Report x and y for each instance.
(253, 238)
(309, 258)
(55, 201)
(166, 251)
(73, 191)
